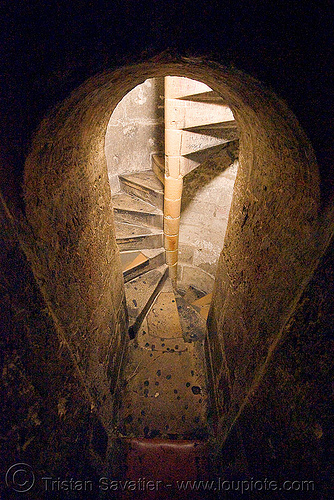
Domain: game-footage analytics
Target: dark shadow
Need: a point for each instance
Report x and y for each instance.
(211, 166)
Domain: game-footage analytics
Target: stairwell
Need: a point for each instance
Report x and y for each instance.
(260, 305)
(165, 404)
(163, 412)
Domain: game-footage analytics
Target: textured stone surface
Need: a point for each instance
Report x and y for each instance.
(206, 200)
(140, 293)
(144, 185)
(288, 418)
(137, 262)
(135, 130)
(135, 211)
(158, 167)
(131, 260)
(164, 392)
(190, 275)
(49, 419)
(192, 324)
(202, 305)
(133, 237)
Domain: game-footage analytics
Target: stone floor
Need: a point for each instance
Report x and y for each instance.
(164, 386)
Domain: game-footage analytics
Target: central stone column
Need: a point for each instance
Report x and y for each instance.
(173, 179)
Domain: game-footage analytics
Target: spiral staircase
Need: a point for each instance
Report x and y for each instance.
(163, 418)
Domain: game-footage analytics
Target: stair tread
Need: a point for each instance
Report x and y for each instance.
(138, 286)
(160, 161)
(226, 153)
(147, 252)
(193, 142)
(139, 292)
(127, 202)
(204, 154)
(137, 262)
(186, 114)
(163, 317)
(158, 167)
(213, 129)
(203, 301)
(165, 378)
(211, 97)
(125, 230)
(152, 252)
(166, 461)
(146, 179)
(192, 294)
(192, 323)
(133, 260)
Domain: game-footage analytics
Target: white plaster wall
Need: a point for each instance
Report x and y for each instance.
(207, 196)
(135, 131)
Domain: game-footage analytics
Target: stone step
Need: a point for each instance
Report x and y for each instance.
(210, 97)
(192, 294)
(185, 114)
(134, 237)
(164, 384)
(202, 305)
(223, 130)
(158, 167)
(193, 140)
(128, 208)
(192, 323)
(180, 86)
(140, 293)
(190, 275)
(137, 262)
(194, 160)
(144, 185)
(225, 155)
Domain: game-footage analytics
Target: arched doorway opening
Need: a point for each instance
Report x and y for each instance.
(270, 244)
(204, 143)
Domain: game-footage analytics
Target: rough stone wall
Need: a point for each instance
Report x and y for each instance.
(135, 130)
(286, 427)
(74, 255)
(49, 420)
(271, 244)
